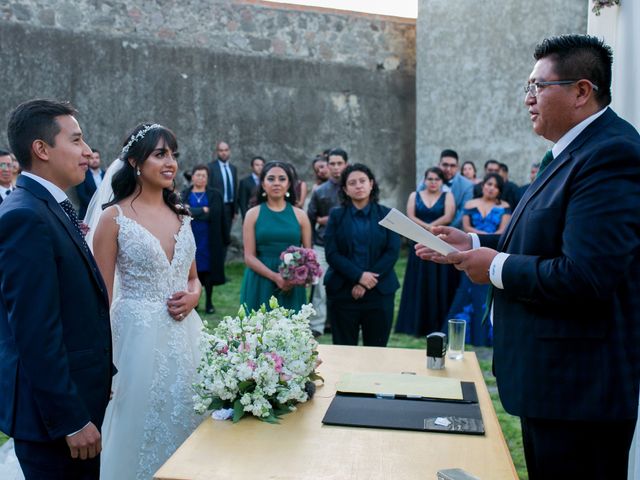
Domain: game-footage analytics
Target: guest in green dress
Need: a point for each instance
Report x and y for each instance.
(269, 228)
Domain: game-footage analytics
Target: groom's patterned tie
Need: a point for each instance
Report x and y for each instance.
(546, 160)
(73, 216)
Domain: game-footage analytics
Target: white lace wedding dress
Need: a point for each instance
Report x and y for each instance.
(151, 412)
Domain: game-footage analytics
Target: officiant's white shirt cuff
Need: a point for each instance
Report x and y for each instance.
(495, 269)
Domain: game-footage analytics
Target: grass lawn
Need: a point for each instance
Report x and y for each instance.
(226, 299)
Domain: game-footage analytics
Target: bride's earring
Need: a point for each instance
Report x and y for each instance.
(287, 194)
(138, 171)
(264, 194)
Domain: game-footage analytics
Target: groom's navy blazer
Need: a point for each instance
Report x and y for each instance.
(567, 323)
(55, 338)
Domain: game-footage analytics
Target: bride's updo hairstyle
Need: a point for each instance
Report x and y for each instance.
(137, 147)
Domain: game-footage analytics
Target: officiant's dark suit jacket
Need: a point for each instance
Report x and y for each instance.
(55, 338)
(567, 324)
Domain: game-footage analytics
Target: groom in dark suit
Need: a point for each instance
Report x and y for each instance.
(55, 338)
(566, 273)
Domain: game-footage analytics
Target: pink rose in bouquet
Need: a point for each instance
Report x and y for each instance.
(300, 266)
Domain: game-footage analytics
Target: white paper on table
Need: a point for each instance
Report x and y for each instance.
(403, 225)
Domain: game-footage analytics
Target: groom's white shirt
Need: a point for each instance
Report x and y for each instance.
(55, 191)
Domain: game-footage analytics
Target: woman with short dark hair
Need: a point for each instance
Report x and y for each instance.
(361, 282)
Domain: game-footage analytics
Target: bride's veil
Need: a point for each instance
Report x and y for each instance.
(102, 195)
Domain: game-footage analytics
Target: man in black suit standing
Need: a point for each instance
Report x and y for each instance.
(510, 189)
(224, 177)
(92, 181)
(533, 173)
(490, 166)
(249, 185)
(566, 273)
(55, 338)
(6, 164)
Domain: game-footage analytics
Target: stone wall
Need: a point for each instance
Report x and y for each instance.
(236, 27)
(281, 81)
(473, 61)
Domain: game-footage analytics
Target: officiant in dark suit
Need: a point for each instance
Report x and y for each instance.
(566, 273)
(55, 338)
(92, 179)
(223, 176)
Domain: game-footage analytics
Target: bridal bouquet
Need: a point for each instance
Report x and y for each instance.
(262, 363)
(300, 266)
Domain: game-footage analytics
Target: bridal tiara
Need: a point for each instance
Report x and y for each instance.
(138, 136)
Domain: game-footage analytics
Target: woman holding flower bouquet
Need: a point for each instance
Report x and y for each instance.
(269, 229)
(361, 281)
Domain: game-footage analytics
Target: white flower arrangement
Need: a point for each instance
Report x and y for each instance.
(262, 363)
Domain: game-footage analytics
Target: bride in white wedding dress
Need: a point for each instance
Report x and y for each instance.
(145, 250)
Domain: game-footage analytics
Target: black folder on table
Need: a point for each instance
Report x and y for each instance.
(432, 415)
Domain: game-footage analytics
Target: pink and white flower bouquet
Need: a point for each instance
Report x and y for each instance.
(300, 266)
(262, 363)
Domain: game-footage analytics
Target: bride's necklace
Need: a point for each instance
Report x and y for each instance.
(199, 197)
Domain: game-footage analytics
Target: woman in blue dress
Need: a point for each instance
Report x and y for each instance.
(268, 229)
(428, 287)
(487, 214)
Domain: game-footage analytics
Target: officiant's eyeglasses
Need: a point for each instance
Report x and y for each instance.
(532, 88)
(5, 166)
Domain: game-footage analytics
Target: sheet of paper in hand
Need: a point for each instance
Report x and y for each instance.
(403, 225)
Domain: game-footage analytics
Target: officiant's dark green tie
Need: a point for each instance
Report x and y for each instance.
(546, 160)
(487, 305)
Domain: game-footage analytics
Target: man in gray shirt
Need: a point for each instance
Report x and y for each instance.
(323, 199)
